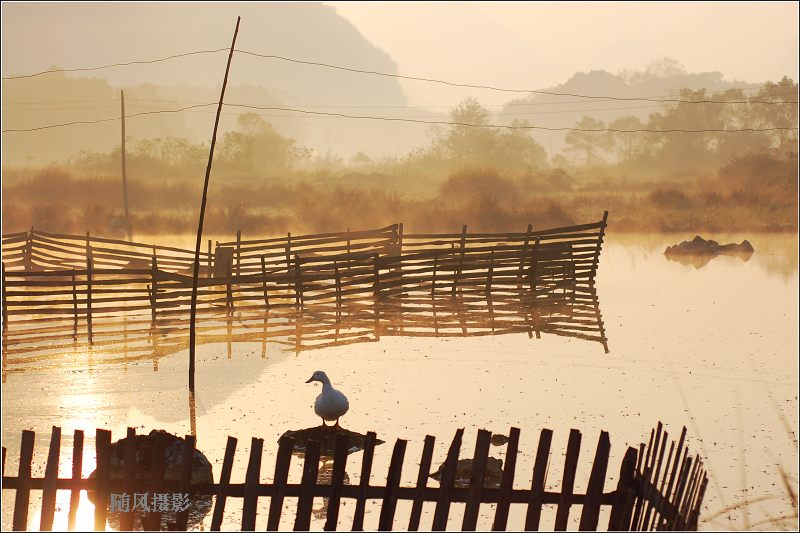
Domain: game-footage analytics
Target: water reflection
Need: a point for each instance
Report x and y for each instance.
(572, 312)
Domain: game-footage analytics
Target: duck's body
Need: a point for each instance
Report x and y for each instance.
(331, 404)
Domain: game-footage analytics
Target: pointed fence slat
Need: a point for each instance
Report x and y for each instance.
(305, 501)
(250, 503)
(448, 478)
(337, 480)
(590, 514)
(224, 480)
(568, 481)
(363, 486)
(622, 508)
(50, 480)
(187, 465)
(476, 481)
(422, 482)
(536, 496)
(77, 474)
(284, 457)
(129, 476)
(507, 482)
(103, 454)
(22, 498)
(386, 518)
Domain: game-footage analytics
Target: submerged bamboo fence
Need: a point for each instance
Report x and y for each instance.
(653, 491)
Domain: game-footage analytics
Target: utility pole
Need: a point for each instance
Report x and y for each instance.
(124, 176)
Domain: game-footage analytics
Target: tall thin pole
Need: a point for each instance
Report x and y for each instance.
(124, 175)
(202, 216)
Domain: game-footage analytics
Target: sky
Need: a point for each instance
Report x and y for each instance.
(520, 45)
(541, 44)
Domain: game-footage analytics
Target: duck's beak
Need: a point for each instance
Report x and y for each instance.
(310, 379)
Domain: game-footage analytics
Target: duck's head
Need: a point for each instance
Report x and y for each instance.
(320, 376)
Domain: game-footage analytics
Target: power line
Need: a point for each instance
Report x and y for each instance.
(415, 78)
(499, 126)
(50, 126)
(85, 69)
(411, 120)
(502, 89)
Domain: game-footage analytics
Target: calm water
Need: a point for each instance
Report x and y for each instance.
(713, 348)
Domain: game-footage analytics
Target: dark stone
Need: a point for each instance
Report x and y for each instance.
(494, 473)
(699, 251)
(326, 436)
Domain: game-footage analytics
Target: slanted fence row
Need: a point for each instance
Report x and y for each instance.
(644, 499)
(82, 277)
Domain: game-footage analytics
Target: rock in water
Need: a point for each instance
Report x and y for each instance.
(494, 473)
(326, 436)
(699, 251)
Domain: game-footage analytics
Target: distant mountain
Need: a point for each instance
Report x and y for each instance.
(662, 79)
(92, 34)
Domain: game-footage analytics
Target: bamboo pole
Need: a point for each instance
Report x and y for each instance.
(124, 174)
(193, 313)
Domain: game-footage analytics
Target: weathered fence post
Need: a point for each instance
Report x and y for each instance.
(568, 480)
(298, 281)
(389, 504)
(348, 250)
(50, 481)
(457, 273)
(534, 264)
(288, 251)
(74, 306)
(337, 480)
(422, 482)
(238, 252)
(448, 478)
(103, 454)
(250, 496)
(524, 253)
(536, 497)
(285, 447)
(224, 481)
(264, 281)
(154, 282)
(600, 238)
(435, 268)
(77, 474)
(479, 461)
(490, 273)
(366, 470)
(376, 275)
(338, 281)
(23, 495)
(594, 491)
(28, 257)
(622, 508)
(228, 287)
(5, 289)
(209, 255)
(89, 287)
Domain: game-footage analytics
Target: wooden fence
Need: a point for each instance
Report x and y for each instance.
(81, 277)
(40, 342)
(651, 493)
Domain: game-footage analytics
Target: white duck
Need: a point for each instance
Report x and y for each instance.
(331, 404)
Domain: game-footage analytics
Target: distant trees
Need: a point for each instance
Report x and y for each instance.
(255, 146)
(471, 141)
(584, 141)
